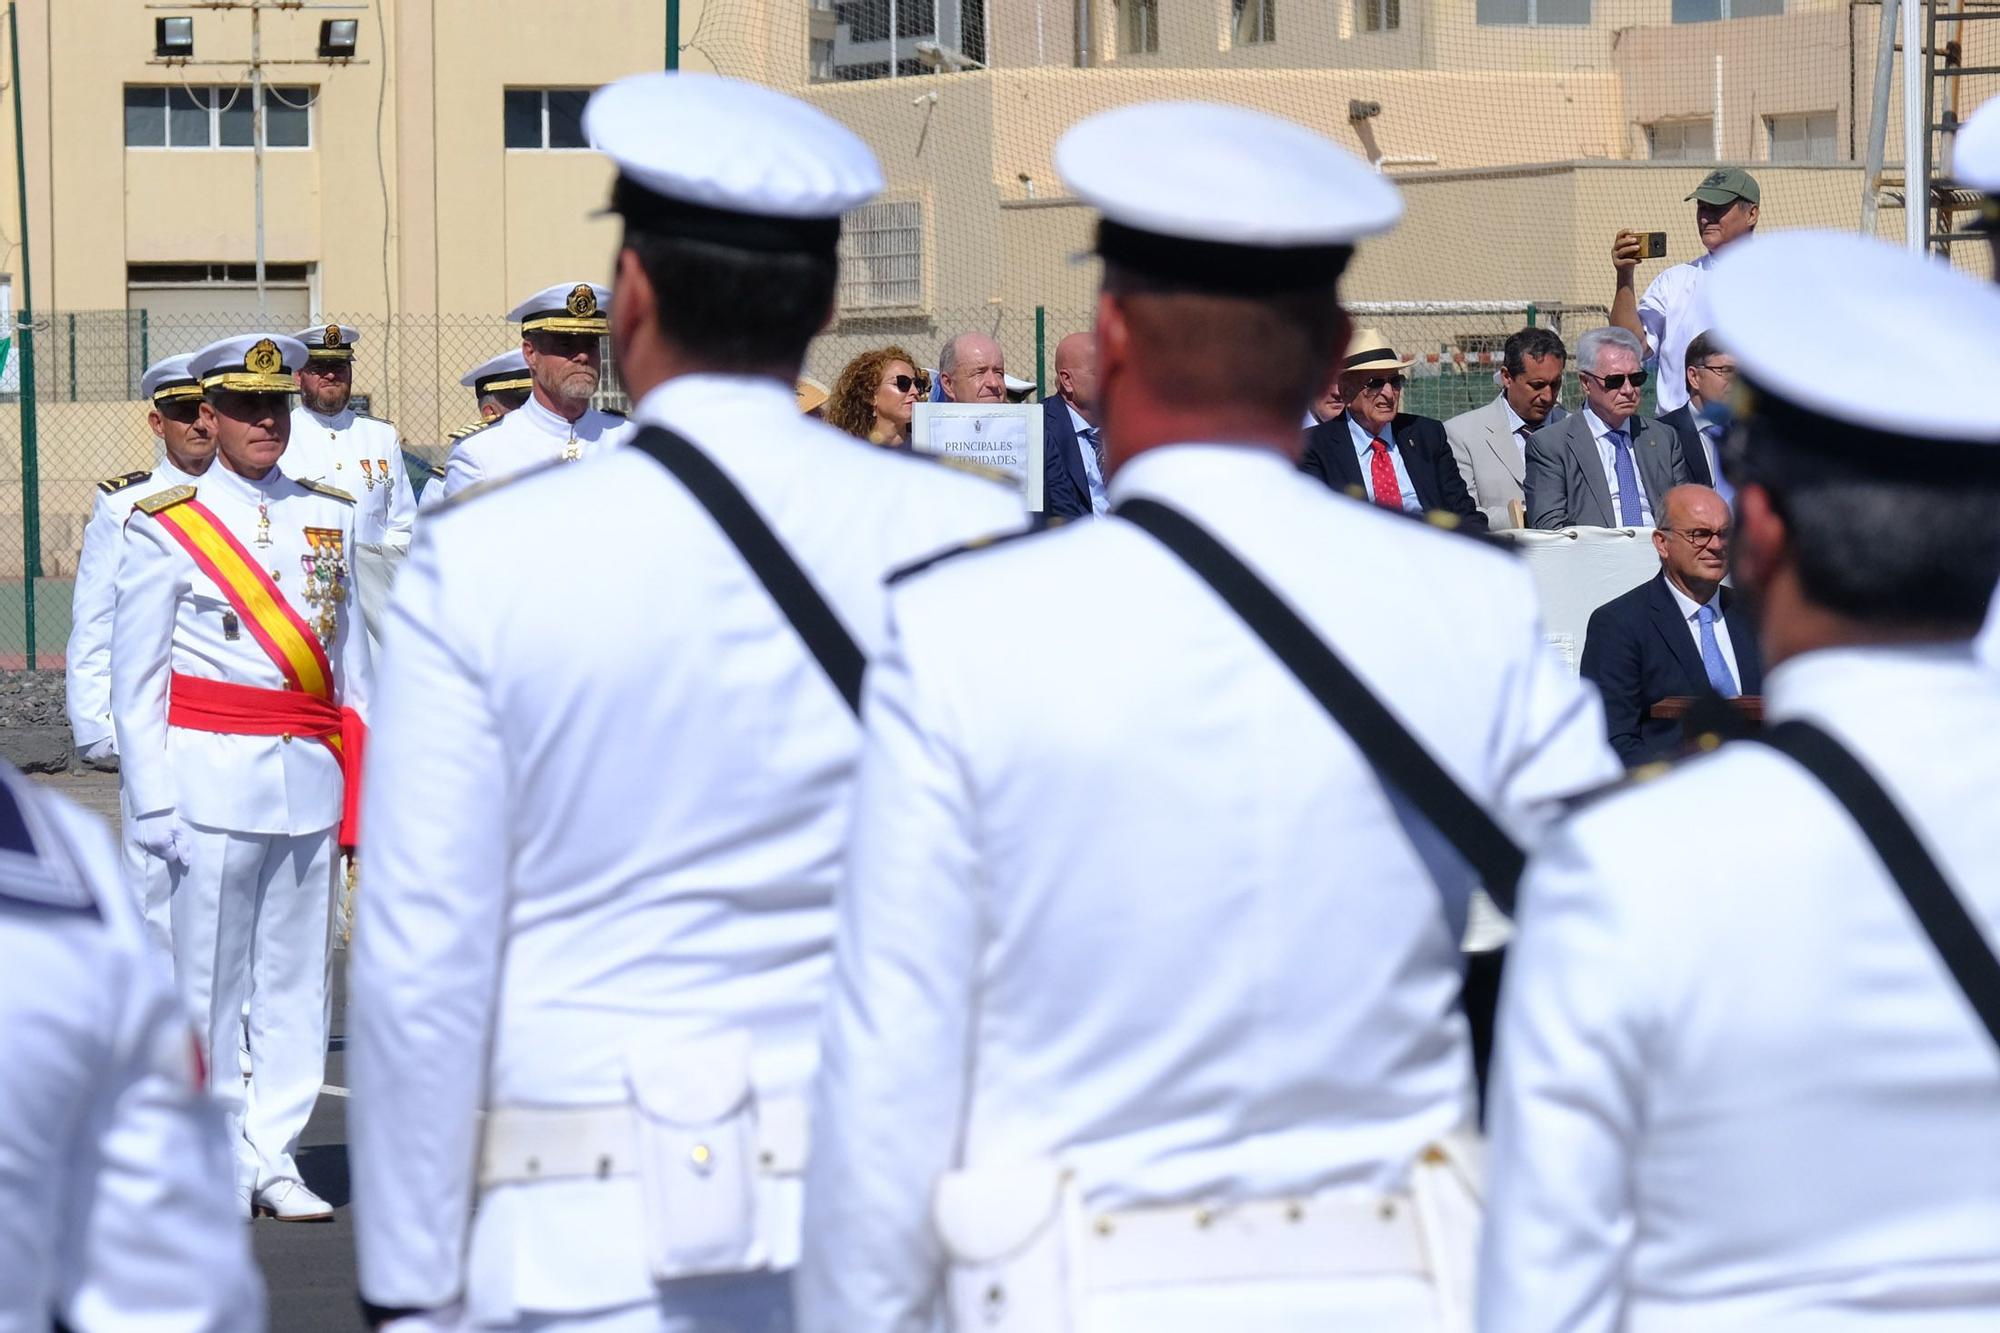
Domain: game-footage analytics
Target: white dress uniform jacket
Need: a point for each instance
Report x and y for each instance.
(607, 800)
(115, 1205)
(1158, 921)
(529, 435)
(363, 456)
(1736, 1088)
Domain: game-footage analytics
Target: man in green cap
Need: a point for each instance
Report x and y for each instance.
(1725, 207)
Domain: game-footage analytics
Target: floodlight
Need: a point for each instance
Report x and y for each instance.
(337, 38)
(173, 39)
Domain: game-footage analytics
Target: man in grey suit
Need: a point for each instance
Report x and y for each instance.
(1490, 443)
(1606, 466)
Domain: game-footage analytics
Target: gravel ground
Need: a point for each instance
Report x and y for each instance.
(31, 699)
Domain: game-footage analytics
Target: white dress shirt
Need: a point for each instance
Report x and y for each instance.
(529, 435)
(1364, 450)
(87, 658)
(1736, 1089)
(1670, 314)
(362, 456)
(1169, 933)
(1086, 445)
(1607, 454)
(1514, 428)
(116, 1205)
(1691, 613)
(648, 781)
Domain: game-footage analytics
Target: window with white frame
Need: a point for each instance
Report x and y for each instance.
(545, 117)
(1708, 11)
(882, 256)
(1138, 27)
(1253, 22)
(1681, 141)
(1804, 138)
(1378, 15)
(216, 117)
(1532, 13)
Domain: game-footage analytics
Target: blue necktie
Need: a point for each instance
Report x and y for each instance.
(1713, 435)
(1629, 513)
(1719, 678)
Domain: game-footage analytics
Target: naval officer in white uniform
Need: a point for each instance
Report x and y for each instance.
(1975, 161)
(115, 1205)
(357, 453)
(615, 947)
(499, 385)
(1143, 1012)
(238, 672)
(186, 452)
(562, 332)
(1737, 1087)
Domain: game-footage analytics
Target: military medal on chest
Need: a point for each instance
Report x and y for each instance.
(572, 449)
(263, 537)
(368, 474)
(325, 565)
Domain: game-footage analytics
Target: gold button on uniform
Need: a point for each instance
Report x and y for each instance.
(286, 738)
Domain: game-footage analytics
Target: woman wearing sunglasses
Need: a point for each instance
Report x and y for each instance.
(876, 395)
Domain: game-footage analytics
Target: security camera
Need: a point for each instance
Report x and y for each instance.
(1360, 110)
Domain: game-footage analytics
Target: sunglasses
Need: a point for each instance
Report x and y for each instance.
(1638, 378)
(1377, 383)
(905, 383)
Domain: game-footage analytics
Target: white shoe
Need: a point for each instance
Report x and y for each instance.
(289, 1201)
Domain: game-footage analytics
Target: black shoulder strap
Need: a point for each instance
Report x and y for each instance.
(1398, 758)
(1952, 931)
(788, 583)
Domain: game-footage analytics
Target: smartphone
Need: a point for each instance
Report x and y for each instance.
(1652, 245)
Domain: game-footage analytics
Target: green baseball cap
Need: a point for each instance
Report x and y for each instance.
(1726, 185)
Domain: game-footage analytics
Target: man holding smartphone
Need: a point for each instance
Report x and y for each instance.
(1725, 208)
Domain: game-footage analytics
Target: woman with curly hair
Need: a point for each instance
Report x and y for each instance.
(876, 395)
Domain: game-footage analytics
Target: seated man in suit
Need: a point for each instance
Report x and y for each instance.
(1489, 445)
(1606, 466)
(1376, 452)
(1711, 374)
(1677, 635)
(1072, 464)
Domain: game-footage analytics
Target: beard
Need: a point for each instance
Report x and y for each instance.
(330, 400)
(571, 384)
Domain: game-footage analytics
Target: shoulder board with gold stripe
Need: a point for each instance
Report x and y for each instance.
(1036, 525)
(437, 472)
(1630, 779)
(467, 432)
(492, 484)
(113, 485)
(166, 499)
(330, 492)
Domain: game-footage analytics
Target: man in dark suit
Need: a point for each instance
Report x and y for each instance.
(1072, 468)
(1376, 452)
(1606, 466)
(1711, 373)
(1678, 635)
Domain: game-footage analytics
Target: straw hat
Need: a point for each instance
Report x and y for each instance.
(1369, 350)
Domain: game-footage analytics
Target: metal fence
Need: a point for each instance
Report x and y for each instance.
(87, 422)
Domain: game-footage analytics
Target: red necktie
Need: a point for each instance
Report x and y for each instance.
(1382, 473)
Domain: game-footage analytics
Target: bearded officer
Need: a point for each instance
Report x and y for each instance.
(238, 669)
(1737, 1085)
(350, 450)
(630, 989)
(499, 385)
(175, 417)
(115, 1206)
(1187, 1056)
(562, 331)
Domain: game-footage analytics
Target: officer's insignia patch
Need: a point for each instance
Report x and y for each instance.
(330, 492)
(1714, 178)
(166, 499)
(264, 358)
(112, 485)
(331, 338)
(582, 300)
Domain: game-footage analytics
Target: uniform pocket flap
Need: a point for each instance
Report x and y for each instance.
(695, 1082)
(990, 1213)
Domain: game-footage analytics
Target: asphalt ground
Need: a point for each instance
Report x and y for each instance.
(308, 1266)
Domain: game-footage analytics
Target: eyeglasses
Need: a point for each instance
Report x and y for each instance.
(905, 383)
(1377, 383)
(1638, 378)
(1726, 372)
(1700, 538)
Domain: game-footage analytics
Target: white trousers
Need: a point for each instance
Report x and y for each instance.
(745, 1303)
(252, 922)
(151, 882)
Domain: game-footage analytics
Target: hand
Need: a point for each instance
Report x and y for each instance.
(100, 754)
(1625, 252)
(165, 836)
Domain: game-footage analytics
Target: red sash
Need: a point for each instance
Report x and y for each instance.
(222, 706)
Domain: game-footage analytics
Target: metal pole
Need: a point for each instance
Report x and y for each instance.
(1878, 115)
(1041, 351)
(257, 145)
(673, 34)
(892, 38)
(31, 501)
(72, 356)
(1916, 134)
(145, 341)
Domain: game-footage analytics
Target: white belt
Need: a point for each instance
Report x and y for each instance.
(1347, 1233)
(525, 1144)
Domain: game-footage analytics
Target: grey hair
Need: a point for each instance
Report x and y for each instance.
(948, 355)
(1593, 343)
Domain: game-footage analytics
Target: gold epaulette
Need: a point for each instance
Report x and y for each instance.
(113, 485)
(492, 484)
(437, 472)
(471, 428)
(1037, 524)
(166, 499)
(330, 492)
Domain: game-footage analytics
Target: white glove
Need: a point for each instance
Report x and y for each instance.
(100, 754)
(165, 836)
